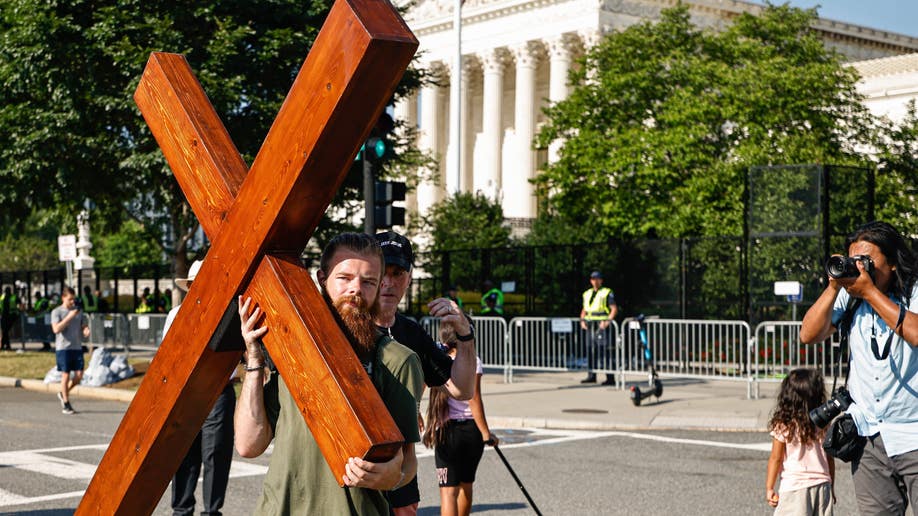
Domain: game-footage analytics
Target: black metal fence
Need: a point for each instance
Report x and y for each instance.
(120, 288)
(678, 278)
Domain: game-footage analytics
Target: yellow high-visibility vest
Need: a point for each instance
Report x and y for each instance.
(595, 305)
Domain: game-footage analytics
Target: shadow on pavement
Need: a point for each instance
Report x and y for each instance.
(476, 507)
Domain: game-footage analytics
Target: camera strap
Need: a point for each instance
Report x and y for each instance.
(844, 331)
(873, 336)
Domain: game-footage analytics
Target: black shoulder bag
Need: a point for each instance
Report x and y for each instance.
(842, 440)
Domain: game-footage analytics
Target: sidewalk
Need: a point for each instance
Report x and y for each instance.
(558, 400)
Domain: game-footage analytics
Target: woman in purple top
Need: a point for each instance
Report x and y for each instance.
(458, 431)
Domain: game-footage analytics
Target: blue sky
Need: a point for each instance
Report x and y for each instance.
(892, 15)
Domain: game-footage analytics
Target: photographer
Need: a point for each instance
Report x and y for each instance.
(883, 377)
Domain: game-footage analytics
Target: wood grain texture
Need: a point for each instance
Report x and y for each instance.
(345, 82)
(324, 376)
(192, 137)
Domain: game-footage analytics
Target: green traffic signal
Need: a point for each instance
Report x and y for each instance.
(380, 148)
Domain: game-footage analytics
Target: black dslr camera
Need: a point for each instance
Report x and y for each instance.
(825, 413)
(846, 266)
(78, 302)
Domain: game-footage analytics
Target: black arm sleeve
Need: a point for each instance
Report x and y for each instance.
(437, 365)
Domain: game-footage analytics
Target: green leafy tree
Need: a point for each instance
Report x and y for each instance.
(27, 252)
(130, 245)
(897, 174)
(465, 225)
(69, 128)
(664, 120)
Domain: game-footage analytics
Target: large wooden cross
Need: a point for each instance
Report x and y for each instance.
(259, 220)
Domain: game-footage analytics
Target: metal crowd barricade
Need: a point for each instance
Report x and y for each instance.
(108, 329)
(559, 344)
(490, 339)
(36, 328)
(145, 331)
(778, 349)
(688, 348)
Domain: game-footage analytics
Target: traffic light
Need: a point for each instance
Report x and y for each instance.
(387, 215)
(379, 149)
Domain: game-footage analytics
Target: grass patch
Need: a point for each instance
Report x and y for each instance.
(34, 365)
(31, 364)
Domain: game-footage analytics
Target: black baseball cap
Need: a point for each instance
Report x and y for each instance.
(595, 274)
(396, 249)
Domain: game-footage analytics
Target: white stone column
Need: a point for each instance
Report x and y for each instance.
(519, 199)
(465, 165)
(559, 66)
(453, 141)
(560, 50)
(430, 193)
(406, 113)
(488, 181)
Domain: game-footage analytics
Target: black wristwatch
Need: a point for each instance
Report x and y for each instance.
(466, 338)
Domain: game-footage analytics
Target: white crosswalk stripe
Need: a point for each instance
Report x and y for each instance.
(42, 462)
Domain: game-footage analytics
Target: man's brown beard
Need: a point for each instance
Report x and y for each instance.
(358, 324)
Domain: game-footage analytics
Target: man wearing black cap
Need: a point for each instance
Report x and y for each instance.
(439, 369)
(598, 312)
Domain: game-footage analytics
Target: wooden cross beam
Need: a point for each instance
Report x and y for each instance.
(258, 221)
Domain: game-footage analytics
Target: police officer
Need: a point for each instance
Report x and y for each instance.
(9, 314)
(146, 302)
(598, 312)
(42, 304)
(492, 301)
(90, 302)
(41, 307)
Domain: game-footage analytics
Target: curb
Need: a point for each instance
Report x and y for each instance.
(102, 393)
(707, 423)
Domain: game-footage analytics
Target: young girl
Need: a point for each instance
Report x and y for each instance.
(458, 431)
(807, 473)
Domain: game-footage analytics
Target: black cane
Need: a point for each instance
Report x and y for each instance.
(513, 474)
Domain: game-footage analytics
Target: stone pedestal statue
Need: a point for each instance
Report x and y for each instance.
(83, 261)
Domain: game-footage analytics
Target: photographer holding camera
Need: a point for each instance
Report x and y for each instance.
(883, 369)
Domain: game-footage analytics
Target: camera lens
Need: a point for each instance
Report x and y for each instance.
(841, 267)
(825, 413)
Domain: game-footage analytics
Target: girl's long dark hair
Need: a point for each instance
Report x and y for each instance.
(896, 251)
(801, 391)
(437, 409)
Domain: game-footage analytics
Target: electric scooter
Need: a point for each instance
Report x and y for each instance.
(654, 385)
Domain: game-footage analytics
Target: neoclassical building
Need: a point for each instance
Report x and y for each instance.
(516, 55)
(889, 83)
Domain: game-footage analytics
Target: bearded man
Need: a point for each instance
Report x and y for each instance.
(298, 480)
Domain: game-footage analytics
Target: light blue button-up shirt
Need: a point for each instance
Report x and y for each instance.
(885, 392)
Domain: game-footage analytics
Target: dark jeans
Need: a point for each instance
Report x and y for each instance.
(213, 447)
(6, 326)
(883, 484)
(600, 347)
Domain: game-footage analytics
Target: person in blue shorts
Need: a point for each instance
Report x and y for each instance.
(69, 326)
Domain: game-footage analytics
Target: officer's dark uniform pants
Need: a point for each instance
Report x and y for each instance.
(600, 349)
(6, 326)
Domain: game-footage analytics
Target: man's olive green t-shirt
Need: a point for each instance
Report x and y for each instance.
(299, 480)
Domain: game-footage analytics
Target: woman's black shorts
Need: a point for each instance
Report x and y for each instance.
(457, 459)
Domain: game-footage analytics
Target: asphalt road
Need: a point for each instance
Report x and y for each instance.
(47, 459)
